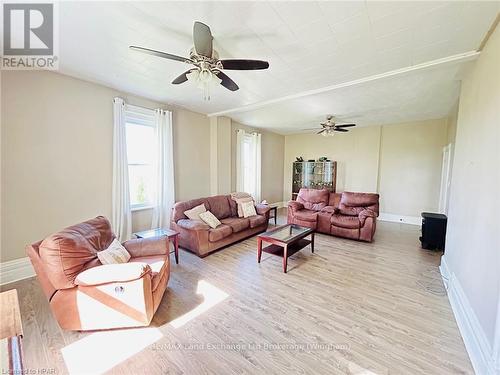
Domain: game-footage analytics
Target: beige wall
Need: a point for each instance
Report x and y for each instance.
(356, 153)
(389, 159)
(273, 149)
(451, 125)
(220, 155)
(472, 240)
(191, 154)
(410, 167)
(57, 155)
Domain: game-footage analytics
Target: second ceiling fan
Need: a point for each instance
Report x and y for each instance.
(205, 59)
(330, 126)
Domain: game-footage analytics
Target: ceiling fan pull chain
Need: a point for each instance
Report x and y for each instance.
(206, 91)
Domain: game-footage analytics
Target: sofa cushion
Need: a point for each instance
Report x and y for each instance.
(329, 209)
(334, 199)
(158, 265)
(74, 249)
(248, 209)
(180, 207)
(195, 212)
(313, 199)
(350, 211)
(210, 219)
(192, 224)
(324, 222)
(367, 200)
(240, 202)
(114, 253)
(112, 273)
(219, 206)
(236, 223)
(257, 220)
(306, 215)
(350, 222)
(217, 234)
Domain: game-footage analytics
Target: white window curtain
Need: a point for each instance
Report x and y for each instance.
(164, 193)
(121, 214)
(248, 163)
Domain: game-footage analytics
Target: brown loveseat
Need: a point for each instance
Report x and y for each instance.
(199, 238)
(84, 294)
(347, 214)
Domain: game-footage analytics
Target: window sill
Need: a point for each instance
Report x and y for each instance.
(141, 208)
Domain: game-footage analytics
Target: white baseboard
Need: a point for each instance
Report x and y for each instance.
(476, 342)
(14, 270)
(395, 218)
(445, 272)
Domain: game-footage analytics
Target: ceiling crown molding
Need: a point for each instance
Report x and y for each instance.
(466, 56)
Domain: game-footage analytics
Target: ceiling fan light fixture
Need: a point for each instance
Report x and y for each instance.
(328, 132)
(203, 79)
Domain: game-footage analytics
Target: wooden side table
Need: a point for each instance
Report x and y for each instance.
(11, 332)
(160, 232)
(274, 209)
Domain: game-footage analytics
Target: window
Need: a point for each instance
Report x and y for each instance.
(141, 155)
(248, 163)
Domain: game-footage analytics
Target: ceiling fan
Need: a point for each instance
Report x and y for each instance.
(207, 65)
(330, 126)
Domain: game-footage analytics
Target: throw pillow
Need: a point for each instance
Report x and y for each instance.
(210, 219)
(240, 201)
(115, 253)
(248, 209)
(194, 213)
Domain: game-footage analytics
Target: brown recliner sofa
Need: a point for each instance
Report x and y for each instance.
(84, 294)
(198, 237)
(347, 214)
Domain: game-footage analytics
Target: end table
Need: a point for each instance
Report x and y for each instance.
(11, 332)
(160, 232)
(274, 209)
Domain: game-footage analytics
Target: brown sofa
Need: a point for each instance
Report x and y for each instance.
(347, 214)
(86, 295)
(199, 238)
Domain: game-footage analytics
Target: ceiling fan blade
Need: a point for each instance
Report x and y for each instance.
(340, 130)
(161, 54)
(344, 125)
(241, 64)
(202, 37)
(227, 82)
(182, 78)
(321, 131)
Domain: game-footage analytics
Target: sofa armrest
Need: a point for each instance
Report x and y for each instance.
(143, 247)
(330, 209)
(193, 224)
(366, 213)
(112, 273)
(262, 209)
(295, 206)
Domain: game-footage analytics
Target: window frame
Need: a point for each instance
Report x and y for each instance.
(135, 115)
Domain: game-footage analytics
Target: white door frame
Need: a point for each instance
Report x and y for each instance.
(444, 190)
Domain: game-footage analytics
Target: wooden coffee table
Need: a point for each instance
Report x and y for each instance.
(285, 241)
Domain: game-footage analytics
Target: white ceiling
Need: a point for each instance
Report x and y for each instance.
(309, 45)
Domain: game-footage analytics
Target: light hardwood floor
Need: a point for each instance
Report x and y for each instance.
(352, 307)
